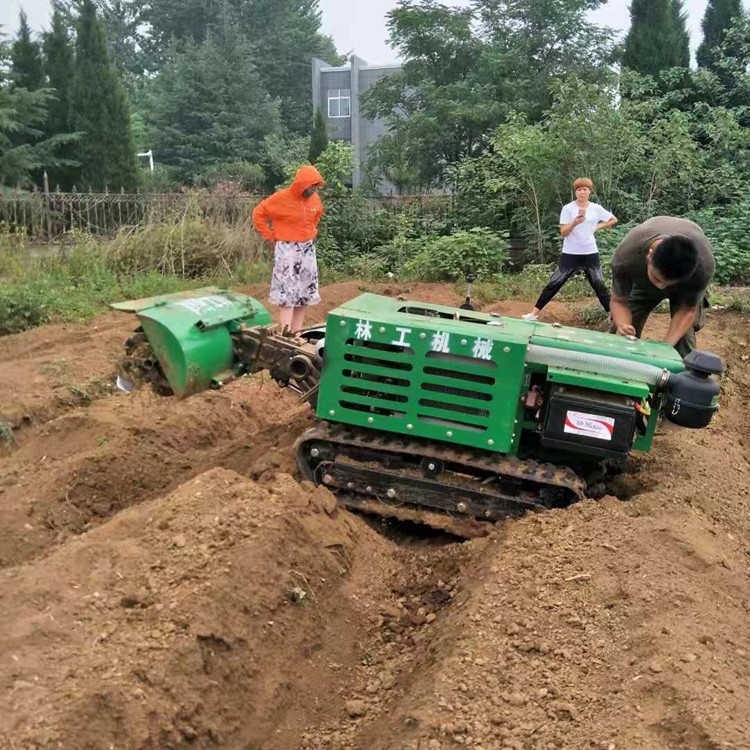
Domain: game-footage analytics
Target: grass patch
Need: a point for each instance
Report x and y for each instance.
(82, 279)
(728, 299)
(594, 316)
(739, 303)
(7, 438)
(526, 285)
(85, 393)
(56, 368)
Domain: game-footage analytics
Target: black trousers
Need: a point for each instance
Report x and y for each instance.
(566, 267)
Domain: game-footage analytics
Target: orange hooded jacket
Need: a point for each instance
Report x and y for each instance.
(287, 216)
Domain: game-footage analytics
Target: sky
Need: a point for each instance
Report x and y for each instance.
(360, 25)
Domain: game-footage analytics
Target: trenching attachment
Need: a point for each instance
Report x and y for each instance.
(290, 360)
(189, 335)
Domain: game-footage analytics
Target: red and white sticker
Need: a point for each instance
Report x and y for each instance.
(589, 425)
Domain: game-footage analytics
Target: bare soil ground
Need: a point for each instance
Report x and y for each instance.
(166, 581)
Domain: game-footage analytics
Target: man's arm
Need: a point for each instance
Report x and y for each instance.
(618, 306)
(680, 324)
(621, 316)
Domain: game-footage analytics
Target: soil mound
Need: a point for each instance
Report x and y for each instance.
(207, 618)
(152, 597)
(81, 468)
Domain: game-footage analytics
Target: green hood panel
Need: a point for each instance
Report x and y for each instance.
(190, 332)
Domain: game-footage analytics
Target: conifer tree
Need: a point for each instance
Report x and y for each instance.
(209, 107)
(58, 65)
(284, 35)
(657, 38)
(682, 35)
(719, 16)
(25, 150)
(27, 71)
(319, 138)
(100, 111)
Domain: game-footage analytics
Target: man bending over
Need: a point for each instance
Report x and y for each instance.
(662, 258)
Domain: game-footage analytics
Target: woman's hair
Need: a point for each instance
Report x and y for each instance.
(583, 182)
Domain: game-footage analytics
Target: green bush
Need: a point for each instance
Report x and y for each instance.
(608, 240)
(369, 268)
(727, 230)
(478, 250)
(21, 307)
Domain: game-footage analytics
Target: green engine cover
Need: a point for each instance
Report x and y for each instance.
(190, 332)
(452, 375)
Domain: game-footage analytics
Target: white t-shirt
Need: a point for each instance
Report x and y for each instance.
(581, 240)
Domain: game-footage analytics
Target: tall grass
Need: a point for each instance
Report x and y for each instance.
(77, 280)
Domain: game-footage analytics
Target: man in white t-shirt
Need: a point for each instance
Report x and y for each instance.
(579, 221)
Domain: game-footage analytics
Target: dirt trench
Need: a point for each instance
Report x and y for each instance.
(169, 583)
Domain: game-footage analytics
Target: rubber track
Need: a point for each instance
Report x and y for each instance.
(384, 443)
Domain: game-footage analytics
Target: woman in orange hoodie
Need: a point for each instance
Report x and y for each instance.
(289, 221)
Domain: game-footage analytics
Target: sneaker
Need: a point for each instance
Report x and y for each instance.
(530, 316)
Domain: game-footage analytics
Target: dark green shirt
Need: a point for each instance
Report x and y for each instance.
(629, 261)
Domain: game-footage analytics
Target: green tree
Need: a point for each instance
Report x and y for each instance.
(467, 70)
(532, 43)
(99, 109)
(27, 71)
(284, 36)
(439, 107)
(389, 161)
(682, 35)
(24, 148)
(124, 29)
(646, 157)
(58, 65)
(319, 138)
(718, 18)
(656, 39)
(172, 21)
(208, 106)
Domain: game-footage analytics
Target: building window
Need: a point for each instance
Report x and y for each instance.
(339, 102)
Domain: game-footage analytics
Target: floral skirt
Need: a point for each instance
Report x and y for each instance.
(295, 275)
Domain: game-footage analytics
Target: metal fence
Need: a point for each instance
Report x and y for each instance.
(47, 215)
(44, 215)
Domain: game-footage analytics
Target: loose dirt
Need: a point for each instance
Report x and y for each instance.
(167, 582)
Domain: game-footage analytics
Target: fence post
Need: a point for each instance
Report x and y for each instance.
(47, 207)
(19, 195)
(88, 210)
